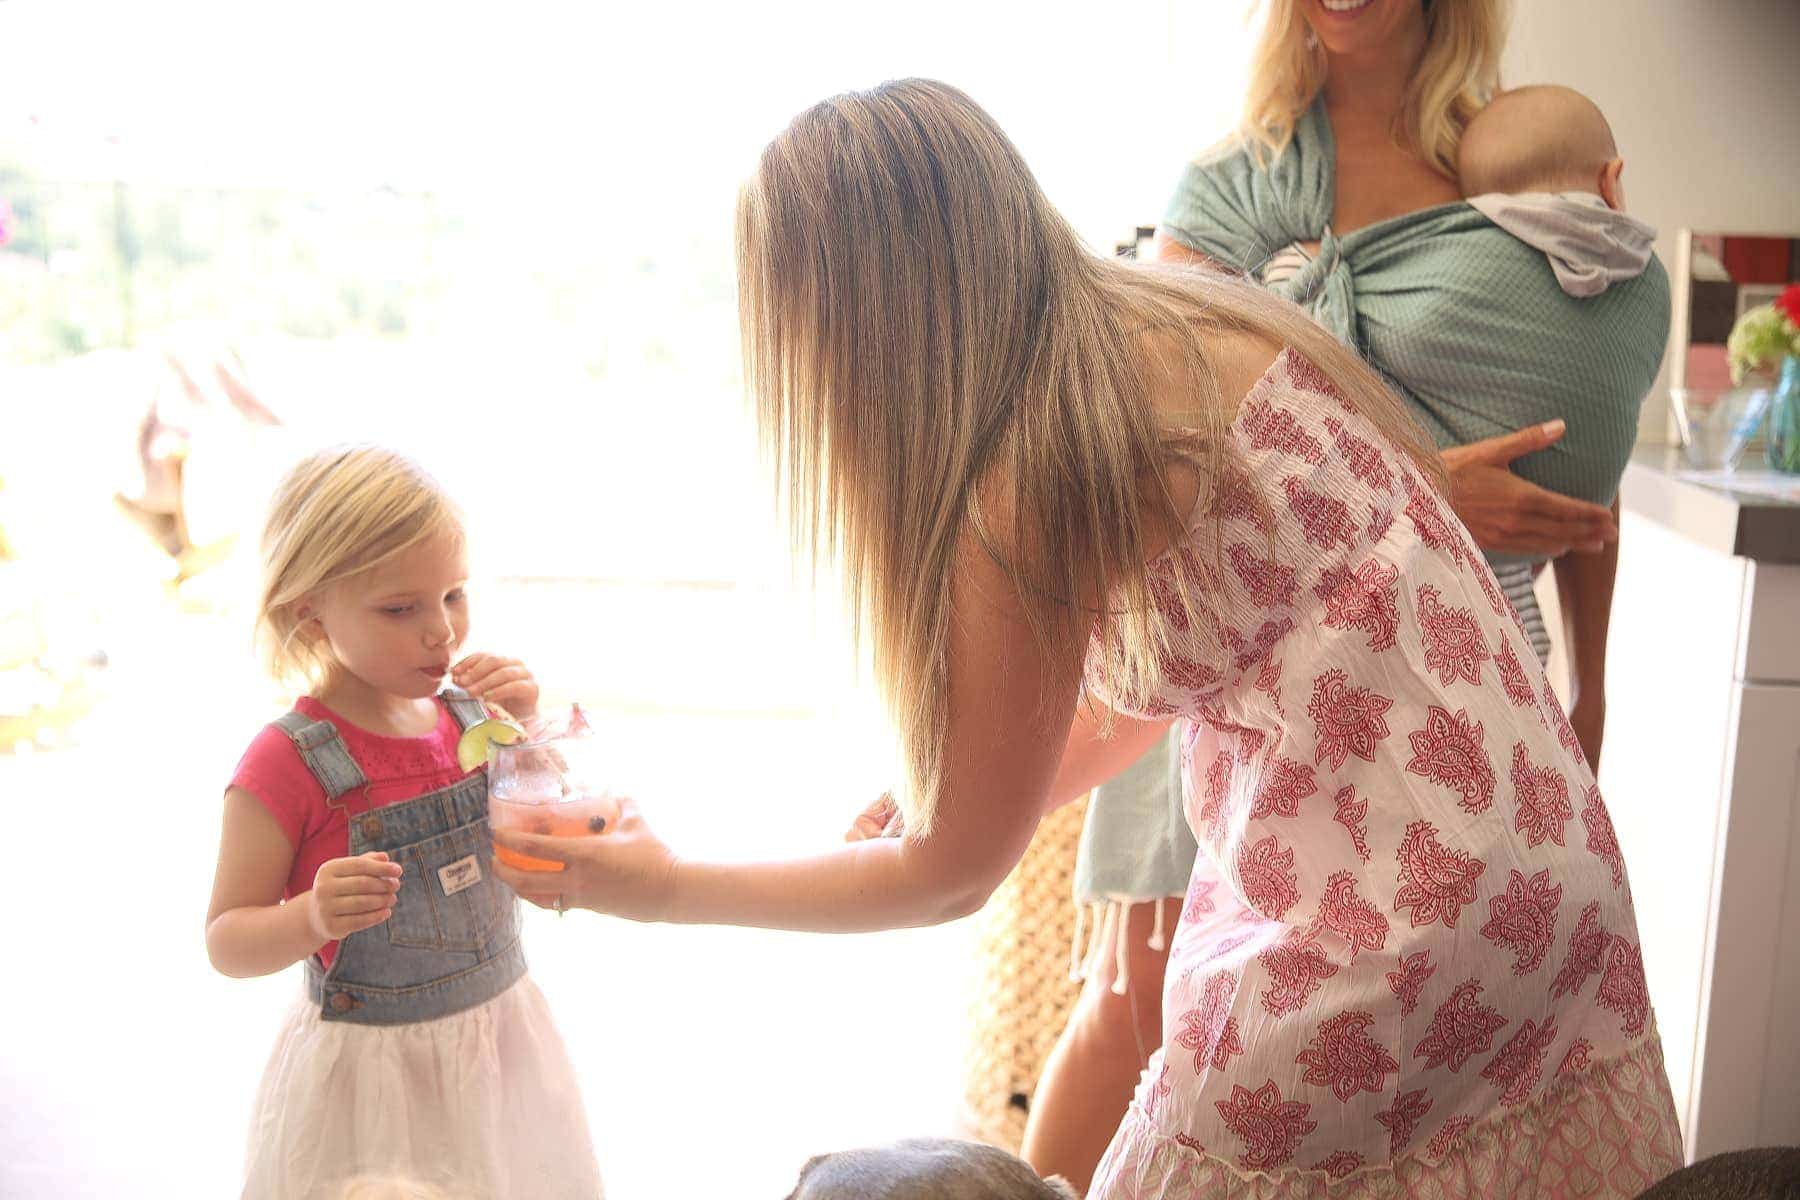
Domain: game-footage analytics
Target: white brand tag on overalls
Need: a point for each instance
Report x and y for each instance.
(463, 873)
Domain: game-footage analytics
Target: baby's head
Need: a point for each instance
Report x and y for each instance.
(926, 1169)
(1541, 139)
(339, 515)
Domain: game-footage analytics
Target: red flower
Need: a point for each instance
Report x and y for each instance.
(1622, 987)
(1266, 877)
(1209, 1029)
(1435, 882)
(1215, 818)
(1454, 1128)
(1409, 980)
(1297, 966)
(1347, 719)
(1515, 1069)
(1365, 460)
(1453, 644)
(1428, 519)
(1268, 681)
(1543, 796)
(1587, 953)
(1248, 741)
(1269, 1127)
(1788, 303)
(1524, 919)
(1349, 916)
(1262, 643)
(1402, 1117)
(1350, 814)
(1282, 789)
(1235, 496)
(1165, 591)
(1577, 1057)
(1326, 519)
(1308, 378)
(1461, 1028)
(1272, 428)
(1270, 583)
(1338, 1163)
(1602, 842)
(1380, 521)
(1190, 675)
(1344, 1058)
(1200, 901)
(1449, 751)
(1365, 600)
(1162, 1087)
(1512, 676)
(1565, 733)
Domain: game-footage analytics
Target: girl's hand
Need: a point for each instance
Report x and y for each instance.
(880, 819)
(502, 682)
(627, 872)
(350, 894)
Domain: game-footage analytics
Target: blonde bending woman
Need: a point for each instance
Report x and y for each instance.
(1077, 501)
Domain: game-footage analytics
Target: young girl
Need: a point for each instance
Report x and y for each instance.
(353, 840)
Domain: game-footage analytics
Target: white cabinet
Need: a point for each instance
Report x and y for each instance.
(1701, 771)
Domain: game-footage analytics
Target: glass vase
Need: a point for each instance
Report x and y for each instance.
(1784, 419)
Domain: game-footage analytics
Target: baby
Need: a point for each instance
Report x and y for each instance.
(1540, 162)
(925, 1169)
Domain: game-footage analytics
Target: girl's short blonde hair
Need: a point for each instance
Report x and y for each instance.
(338, 513)
(1457, 75)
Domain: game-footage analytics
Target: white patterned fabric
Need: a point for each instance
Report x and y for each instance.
(1408, 962)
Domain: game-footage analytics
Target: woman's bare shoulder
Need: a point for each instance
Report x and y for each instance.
(1238, 359)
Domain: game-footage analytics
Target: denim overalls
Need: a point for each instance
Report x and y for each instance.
(452, 941)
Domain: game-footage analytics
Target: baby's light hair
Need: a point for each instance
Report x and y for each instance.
(1543, 138)
(338, 513)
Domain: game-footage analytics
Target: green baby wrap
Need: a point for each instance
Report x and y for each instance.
(1468, 322)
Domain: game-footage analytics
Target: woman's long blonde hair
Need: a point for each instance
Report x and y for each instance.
(338, 513)
(933, 353)
(1457, 75)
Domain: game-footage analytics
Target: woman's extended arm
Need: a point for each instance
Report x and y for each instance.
(1089, 760)
(1011, 709)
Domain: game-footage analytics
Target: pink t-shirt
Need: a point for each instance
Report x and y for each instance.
(398, 768)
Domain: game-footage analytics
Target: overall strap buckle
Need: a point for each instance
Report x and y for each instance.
(467, 710)
(323, 751)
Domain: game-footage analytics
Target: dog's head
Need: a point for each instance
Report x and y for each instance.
(926, 1169)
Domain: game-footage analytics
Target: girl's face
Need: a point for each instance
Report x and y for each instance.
(397, 628)
(1364, 28)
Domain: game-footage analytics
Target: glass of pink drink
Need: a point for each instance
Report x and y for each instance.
(551, 785)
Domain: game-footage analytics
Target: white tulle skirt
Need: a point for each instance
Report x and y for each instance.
(482, 1104)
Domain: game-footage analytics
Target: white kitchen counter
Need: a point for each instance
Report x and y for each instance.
(1701, 770)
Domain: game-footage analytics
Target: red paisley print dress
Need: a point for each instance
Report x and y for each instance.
(1407, 964)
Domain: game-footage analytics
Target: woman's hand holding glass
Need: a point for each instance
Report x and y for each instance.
(628, 873)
